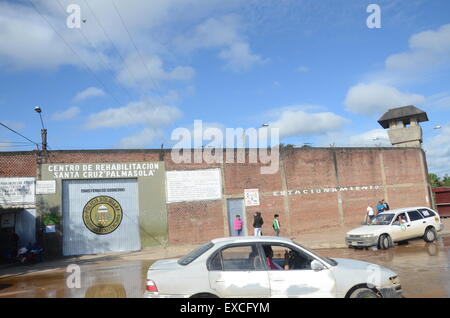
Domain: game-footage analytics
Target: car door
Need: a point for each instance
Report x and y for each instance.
(238, 271)
(400, 231)
(418, 223)
(298, 279)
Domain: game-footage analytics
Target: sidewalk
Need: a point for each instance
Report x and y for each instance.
(324, 239)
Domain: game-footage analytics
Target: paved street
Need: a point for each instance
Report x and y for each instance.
(423, 268)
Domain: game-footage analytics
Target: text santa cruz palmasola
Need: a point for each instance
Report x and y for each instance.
(103, 170)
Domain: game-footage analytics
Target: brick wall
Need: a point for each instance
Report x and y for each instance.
(399, 172)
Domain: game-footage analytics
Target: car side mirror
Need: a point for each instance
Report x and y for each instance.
(317, 266)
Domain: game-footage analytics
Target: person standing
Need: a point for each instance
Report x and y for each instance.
(238, 225)
(257, 223)
(386, 205)
(370, 213)
(276, 225)
(380, 207)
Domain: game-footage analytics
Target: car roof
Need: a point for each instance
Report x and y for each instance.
(250, 239)
(405, 209)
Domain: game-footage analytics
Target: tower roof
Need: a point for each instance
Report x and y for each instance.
(402, 113)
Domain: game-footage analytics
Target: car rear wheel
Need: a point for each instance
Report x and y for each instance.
(385, 242)
(430, 235)
(364, 293)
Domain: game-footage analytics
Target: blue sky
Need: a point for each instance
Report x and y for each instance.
(311, 68)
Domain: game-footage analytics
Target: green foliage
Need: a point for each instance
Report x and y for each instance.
(51, 218)
(437, 182)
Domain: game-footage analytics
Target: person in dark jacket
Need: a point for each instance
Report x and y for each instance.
(257, 223)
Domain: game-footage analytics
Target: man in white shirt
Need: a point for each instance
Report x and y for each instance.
(370, 213)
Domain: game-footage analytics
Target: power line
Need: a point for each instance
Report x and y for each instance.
(37, 145)
(135, 46)
(110, 40)
(73, 51)
(105, 62)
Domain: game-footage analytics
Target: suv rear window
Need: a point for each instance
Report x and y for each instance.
(195, 254)
(427, 213)
(414, 215)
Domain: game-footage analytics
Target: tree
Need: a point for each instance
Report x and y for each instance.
(434, 181)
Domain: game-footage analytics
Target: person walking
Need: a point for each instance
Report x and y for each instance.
(276, 225)
(370, 214)
(257, 223)
(238, 225)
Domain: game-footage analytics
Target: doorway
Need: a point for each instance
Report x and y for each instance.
(236, 207)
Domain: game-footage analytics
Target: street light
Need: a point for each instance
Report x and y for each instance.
(437, 127)
(38, 110)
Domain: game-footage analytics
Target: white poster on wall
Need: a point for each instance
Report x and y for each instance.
(16, 192)
(193, 185)
(251, 197)
(46, 187)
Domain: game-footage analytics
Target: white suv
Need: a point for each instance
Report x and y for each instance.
(395, 226)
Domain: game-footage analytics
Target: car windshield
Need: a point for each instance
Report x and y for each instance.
(382, 219)
(327, 260)
(195, 254)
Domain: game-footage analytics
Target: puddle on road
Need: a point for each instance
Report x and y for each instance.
(423, 268)
(121, 280)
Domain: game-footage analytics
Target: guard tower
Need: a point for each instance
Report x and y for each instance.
(403, 124)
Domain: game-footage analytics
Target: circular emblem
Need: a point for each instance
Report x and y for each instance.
(102, 215)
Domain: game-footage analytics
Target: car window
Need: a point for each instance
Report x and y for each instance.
(281, 257)
(382, 219)
(237, 258)
(400, 219)
(195, 254)
(414, 215)
(427, 213)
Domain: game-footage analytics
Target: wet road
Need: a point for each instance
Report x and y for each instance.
(424, 270)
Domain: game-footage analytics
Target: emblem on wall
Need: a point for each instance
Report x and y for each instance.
(102, 215)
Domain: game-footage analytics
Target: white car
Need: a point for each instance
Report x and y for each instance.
(266, 266)
(396, 226)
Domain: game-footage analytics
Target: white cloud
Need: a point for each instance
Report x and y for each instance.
(375, 98)
(88, 93)
(437, 150)
(148, 72)
(375, 137)
(238, 57)
(441, 100)
(141, 139)
(298, 122)
(66, 114)
(145, 112)
(222, 32)
(303, 69)
(428, 50)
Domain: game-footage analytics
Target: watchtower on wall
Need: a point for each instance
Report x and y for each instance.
(403, 124)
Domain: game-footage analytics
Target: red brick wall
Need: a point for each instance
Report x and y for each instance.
(196, 222)
(397, 170)
(19, 164)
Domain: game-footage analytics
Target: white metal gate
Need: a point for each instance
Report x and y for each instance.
(78, 239)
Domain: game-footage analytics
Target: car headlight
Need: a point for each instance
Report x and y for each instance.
(394, 280)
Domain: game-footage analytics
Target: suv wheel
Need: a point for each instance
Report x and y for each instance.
(430, 235)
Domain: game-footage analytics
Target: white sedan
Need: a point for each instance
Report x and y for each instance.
(397, 225)
(266, 267)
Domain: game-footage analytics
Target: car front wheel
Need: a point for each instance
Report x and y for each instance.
(364, 293)
(430, 235)
(385, 242)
